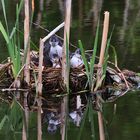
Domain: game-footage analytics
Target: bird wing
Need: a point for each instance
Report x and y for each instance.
(46, 50)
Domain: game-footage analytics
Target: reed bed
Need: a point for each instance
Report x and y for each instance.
(53, 89)
(59, 91)
(53, 82)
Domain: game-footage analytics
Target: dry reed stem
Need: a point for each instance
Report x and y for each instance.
(99, 72)
(17, 85)
(116, 66)
(27, 65)
(65, 69)
(53, 32)
(39, 26)
(33, 6)
(39, 89)
(13, 89)
(104, 38)
(17, 76)
(123, 76)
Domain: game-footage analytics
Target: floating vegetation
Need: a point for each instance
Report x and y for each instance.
(53, 90)
(60, 86)
(115, 84)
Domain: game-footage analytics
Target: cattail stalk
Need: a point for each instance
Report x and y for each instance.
(65, 68)
(27, 65)
(39, 89)
(99, 72)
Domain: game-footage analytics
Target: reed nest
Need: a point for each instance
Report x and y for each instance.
(78, 82)
(115, 84)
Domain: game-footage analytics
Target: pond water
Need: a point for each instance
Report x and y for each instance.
(125, 14)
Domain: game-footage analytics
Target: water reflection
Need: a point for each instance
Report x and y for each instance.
(126, 39)
(39, 14)
(128, 32)
(125, 123)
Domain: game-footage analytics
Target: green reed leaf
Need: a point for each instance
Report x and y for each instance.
(84, 59)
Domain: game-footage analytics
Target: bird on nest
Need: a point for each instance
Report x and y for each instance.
(76, 59)
(53, 52)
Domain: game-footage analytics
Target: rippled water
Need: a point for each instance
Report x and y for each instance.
(125, 124)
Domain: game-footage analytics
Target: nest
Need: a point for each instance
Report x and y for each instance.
(116, 84)
(52, 79)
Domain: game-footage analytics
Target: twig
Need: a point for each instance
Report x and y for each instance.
(39, 88)
(99, 72)
(27, 65)
(123, 77)
(65, 69)
(17, 76)
(53, 32)
(109, 62)
(33, 6)
(14, 89)
(78, 107)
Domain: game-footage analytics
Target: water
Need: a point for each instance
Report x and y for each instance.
(125, 124)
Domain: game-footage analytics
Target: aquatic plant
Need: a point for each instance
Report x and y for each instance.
(12, 120)
(12, 38)
(89, 67)
(93, 83)
(101, 72)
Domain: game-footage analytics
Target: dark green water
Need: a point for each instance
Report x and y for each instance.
(125, 14)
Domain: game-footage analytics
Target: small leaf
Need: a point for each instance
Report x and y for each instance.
(3, 31)
(84, 59)
(92, 61)
(83, 121)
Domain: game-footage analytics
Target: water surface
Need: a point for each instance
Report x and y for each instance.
(125, 14)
